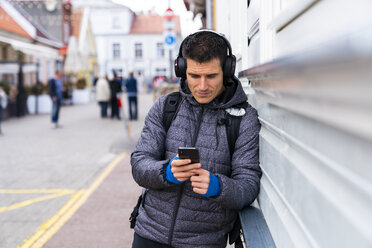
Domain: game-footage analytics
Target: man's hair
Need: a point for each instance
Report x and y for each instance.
(204, 46)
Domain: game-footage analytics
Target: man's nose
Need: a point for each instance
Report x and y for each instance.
(203, 84)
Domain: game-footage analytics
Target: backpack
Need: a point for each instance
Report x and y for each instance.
(232, 123)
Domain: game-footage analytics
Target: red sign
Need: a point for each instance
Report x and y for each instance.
(169, 14)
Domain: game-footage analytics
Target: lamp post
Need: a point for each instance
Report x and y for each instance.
(21, 89)
(1, 112)
(37, 88)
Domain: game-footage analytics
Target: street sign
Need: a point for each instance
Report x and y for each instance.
(169, 14)
(170, 39)
(169, 25)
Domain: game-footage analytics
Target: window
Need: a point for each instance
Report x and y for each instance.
(5, 53)
(160, 50)
(116, 22)
(160, 71)
(39, 68)
(138, 50)
(116, 51)
(50, 71)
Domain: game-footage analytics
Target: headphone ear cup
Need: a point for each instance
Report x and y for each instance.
(180, 67)
(229, 66)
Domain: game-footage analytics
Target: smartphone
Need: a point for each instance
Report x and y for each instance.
(189, 153)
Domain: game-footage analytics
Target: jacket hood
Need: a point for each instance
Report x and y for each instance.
(233, 95)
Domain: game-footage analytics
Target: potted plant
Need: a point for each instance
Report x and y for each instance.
(38, 99)
(81, 94)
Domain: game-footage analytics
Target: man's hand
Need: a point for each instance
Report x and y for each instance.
(200, 181)
(183, 170)
(54, 98)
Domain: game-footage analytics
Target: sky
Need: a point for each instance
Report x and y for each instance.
(188, 25)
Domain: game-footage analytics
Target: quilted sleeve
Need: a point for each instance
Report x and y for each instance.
(148, 165)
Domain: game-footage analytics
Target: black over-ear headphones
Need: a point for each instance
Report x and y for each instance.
(228, 66)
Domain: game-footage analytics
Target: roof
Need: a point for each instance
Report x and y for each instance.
(7, 23)
(48, 23)
(151, 24)
(76, 20)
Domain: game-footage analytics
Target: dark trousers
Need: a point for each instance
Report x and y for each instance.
(56, 105)
(1, 115)
(103, 106)
(114, 108)
(133, 110)
(139, 242)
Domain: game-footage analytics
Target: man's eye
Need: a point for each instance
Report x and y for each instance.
(194, 76)
(211, 76)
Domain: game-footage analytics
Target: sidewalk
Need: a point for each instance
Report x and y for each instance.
(103, 220)
(62, 185)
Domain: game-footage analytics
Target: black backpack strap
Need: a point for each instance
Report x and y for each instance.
(171, 106)
(233, 126)
(134, 214)
(232, 131)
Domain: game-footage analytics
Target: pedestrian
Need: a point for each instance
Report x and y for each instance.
(55, 92)
(115, 89)
(3, 104)
(103, 95)
(131, 85)
(196, 204)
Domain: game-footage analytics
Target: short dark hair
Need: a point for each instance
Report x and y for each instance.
(204, 46)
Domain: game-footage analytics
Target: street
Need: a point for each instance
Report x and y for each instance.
(70, 186)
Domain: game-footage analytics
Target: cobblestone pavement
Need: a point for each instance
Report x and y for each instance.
(71, 186)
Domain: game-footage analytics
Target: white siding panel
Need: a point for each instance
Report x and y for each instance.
(326, 20)
(317, 182)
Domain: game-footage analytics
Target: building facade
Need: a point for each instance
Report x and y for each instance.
(28, 56)
(127, 41)
(305, 67)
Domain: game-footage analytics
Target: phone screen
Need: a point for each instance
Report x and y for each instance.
(189, 153)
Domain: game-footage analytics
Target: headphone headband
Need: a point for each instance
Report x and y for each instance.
(180, 65)
(209, 31)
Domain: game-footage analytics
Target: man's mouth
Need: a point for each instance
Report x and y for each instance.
(203, 93)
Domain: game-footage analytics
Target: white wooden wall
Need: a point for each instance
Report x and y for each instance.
(307, 70)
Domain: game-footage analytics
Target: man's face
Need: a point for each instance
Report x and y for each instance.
(205, 80)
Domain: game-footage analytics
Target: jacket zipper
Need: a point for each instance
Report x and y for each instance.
(170, 238)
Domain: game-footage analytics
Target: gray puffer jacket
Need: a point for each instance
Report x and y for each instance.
(174, 214)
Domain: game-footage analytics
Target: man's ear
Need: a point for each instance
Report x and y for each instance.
(185, 86)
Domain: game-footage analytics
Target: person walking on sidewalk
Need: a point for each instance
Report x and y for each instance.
(103, 95)
(196, 204)
(3, 104)
(115, 88)
(131, 85)
(55, 92)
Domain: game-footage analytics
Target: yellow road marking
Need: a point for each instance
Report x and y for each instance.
(34, 191)
(51, 226)
(31, 201)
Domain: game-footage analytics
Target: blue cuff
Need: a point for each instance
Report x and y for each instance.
(169, 175)
(214, 186)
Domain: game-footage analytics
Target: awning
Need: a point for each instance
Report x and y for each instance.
(31, 49)
(9, 68)
(13, 68)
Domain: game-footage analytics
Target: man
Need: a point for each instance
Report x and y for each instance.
(103, 94)
(55, 92)
(131, 85)
(196, 205)
(115, 88)
(3, 104)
